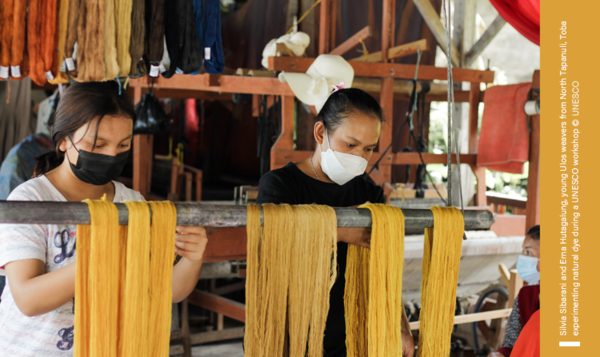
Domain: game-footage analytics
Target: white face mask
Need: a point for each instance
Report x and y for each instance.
(340, 167)
(527, 269)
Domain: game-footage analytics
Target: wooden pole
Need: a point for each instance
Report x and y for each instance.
(324, 27)
(533, 181)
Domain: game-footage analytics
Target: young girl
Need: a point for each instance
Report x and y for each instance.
(346, 132)
(92, 134)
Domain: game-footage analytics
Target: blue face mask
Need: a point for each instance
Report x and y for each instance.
(527, 269)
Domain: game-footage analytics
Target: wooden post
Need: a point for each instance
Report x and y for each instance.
(332, 22)
(285, 141)
(474, 95)
(533, 182)
(324, 27)
(386, 99)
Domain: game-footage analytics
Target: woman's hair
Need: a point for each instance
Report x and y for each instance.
(79, 105)
(534, 232)
(344, 102)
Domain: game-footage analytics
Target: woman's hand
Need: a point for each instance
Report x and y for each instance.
(496, 354)
(356, 236)
(190, 242)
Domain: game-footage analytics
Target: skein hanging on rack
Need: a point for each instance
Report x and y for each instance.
(19, 60)
(191, 51)
(291, 269)
(34, 45)
(110, 47)
(123, 10)
(90, 58)
(138, 39)
(172, 36)
(441, 261)
(213, 44)
(97, 280)
(373, 293)
(123, 281)
(49, 38)
(155, 38)
(6, 11)
(60, 75)
(75, 7)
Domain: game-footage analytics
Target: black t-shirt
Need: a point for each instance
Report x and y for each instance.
(290, 185)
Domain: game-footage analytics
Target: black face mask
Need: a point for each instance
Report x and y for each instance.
(98, 169)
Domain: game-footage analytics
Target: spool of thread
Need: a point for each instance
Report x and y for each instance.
(532, 107)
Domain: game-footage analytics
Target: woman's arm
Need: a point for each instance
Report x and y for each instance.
(408, 342)
(190, 243)
(37, 292)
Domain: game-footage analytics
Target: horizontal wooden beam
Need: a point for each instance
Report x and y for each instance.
(218, 83)
(436, 26)
(225, 244)
(484, 40)
(384, 70)
(352, 42)
(465, 319)
(188, 94)
(218, 304)
(506, 201)
(395, 52)
(213, 336)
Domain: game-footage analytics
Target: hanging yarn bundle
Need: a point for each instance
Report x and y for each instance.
(49, 38)
(6, 11)
(110, 42)
(34, 42)
(59, 69)
(291, 268)
(373, 294)
(155, 37)
(123, 10)
(119, 309)
(19, 60)
(72, 33)
(441, 261)
(138, 39)
(213, 44)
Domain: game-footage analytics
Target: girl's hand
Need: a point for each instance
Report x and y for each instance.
(190, 242)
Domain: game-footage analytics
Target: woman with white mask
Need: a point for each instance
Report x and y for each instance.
(528, 300)
(346, 134)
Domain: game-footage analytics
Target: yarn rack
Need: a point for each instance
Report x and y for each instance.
(216, 216)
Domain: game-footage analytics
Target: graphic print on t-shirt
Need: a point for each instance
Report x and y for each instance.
(61, 241)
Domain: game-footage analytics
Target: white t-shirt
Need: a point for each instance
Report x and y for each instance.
(50, 334)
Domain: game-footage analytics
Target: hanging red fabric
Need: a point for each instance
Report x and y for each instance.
(523, 15)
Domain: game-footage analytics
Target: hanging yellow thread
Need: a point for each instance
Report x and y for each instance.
(441, 261)
(164, 222)
(291, 268)
(97, 293)
(119, 309)
(373, 295)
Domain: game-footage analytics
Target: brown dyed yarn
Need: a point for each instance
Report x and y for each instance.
(17, 51)
(72, 29)
(156, 31)
(6, 8)
(48, 37)
(34, 45)
(138, 38)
